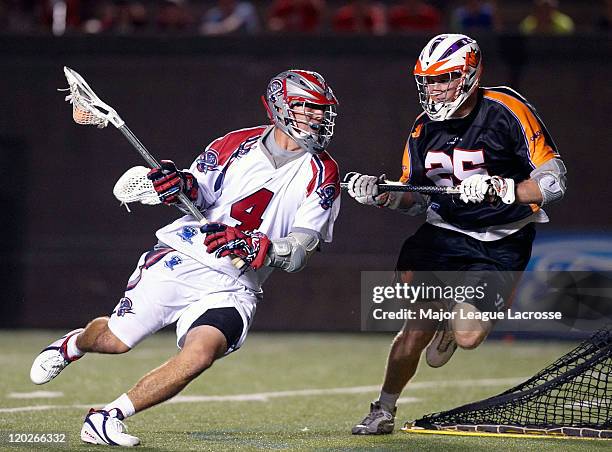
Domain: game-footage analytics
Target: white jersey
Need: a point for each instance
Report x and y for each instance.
(239, 186)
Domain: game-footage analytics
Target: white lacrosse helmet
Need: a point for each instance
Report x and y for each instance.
(447, 72)
(301, 89)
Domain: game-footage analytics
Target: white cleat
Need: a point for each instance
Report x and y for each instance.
(52, 360)
(102, 428)
(442, 347)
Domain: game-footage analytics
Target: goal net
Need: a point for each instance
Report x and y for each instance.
(570, 397)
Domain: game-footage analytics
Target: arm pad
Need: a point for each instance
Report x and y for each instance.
(552, 180)
(292, 252)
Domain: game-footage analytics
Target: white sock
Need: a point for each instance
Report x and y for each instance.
(71, 348)
(388, 400)
(122, 404)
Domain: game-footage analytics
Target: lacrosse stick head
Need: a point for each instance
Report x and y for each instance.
(134, 186)
(87, 108)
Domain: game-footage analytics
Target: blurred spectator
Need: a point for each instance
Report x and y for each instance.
(414, 15)
(230, 16)
(475, 16)
(61, 16)
(173, 16)
(547, 19)
(360, 16)
(605, 17)
(120, 17)
(303, 16)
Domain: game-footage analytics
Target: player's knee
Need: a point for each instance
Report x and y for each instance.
(469, 339)
(195, 361)
(203, 345)
(412, 342)
(98, 338)
(111, 343)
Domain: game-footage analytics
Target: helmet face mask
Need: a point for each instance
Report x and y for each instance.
(303, 106)
(447, 73)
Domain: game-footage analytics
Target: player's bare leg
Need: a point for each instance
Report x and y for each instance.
(95, 337)
(404, 357)
(98, 338)
(203, 345)
(402, 364)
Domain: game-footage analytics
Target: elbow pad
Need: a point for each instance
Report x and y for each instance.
(292, 252)
(552, 180)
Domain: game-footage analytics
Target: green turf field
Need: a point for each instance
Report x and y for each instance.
(280, 392)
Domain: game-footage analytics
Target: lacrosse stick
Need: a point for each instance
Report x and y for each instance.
(425, 189)
(88, 109)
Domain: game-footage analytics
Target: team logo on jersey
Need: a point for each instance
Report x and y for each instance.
(327, 193)
(187, 233)
(417, 131)
(125, 307)
(274, 89)
(208, 161)
(173, 262)
(535, 136)
(246, 146)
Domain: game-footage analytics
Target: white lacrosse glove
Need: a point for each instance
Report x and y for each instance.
(479, 187)
(364, 189)
(504, 189)
(475, 188)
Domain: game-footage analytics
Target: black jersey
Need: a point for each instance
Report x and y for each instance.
(502, 136)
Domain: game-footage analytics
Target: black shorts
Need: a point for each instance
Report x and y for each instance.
(499, 262)
(227, 320)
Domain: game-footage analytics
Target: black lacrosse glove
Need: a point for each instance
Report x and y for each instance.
(168, 182)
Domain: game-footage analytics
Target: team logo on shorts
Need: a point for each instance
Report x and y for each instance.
(187, 233)
(125, 307)
(208, 161)
(173, 262)
(327, 193)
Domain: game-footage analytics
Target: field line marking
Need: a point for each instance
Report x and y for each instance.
(266, 396)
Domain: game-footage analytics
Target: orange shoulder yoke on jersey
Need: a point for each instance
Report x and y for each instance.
(406, 165)
(539, 150)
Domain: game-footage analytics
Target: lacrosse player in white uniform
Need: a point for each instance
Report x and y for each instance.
(271, 194)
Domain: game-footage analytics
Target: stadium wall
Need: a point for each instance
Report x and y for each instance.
(69, 247)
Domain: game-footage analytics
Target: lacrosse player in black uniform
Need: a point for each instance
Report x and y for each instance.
(492, 143)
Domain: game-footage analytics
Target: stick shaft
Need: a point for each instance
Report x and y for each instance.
(185, 201)
(153, 163)
(426, 189)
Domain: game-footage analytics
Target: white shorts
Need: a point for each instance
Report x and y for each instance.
(168, 286)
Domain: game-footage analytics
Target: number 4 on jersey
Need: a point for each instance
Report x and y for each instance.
(249, 210)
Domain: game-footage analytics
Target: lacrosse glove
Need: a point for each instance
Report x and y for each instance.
(168, 182)
(364, 188)
(250, 246)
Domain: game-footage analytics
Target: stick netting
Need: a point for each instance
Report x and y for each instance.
(572, 396)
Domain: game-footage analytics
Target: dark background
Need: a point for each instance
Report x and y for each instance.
(67, 247)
